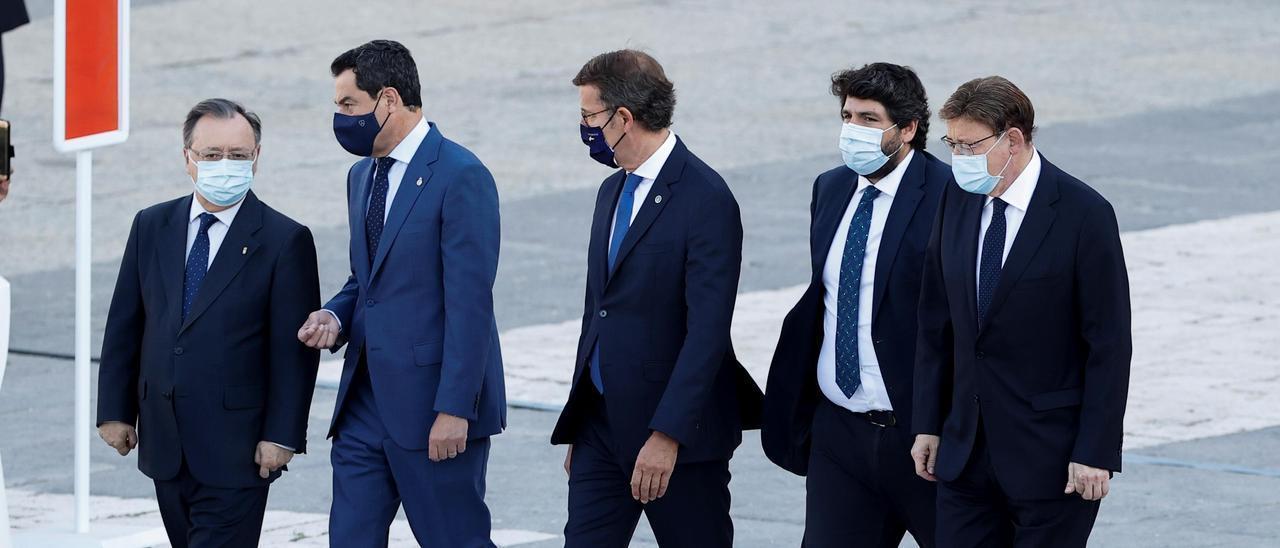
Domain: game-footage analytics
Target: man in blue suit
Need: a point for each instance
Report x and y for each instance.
(200, 369)
(838, 404)
(422, 388)
(658, 401)
(1023, 362)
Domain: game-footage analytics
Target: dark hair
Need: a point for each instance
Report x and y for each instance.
(632, 79)
(993, 101)
(219, 108)
(382, 64)
(894, 86)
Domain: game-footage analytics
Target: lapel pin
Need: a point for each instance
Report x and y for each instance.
(244, 250)
(419, 181)
(657, 199)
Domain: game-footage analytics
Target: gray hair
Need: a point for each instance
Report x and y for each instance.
(219, 108)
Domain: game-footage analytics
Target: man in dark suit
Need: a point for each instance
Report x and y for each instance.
(422, 388)
(1023, 361)
(838, 404)
(13, 14)
(200, 368)
(658, 401)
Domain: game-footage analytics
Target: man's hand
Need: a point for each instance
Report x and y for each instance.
(4, 187)
(568, 458)
(925, 453)
(320, 331)
(1088, 482)
(120, 436)
(448, 437)
(654, 465)
(270, 457)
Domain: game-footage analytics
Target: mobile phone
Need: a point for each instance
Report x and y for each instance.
(6, 150)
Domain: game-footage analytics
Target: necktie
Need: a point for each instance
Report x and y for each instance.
(992, 259)
(848, 374)
(197, 263)
(375, 218)
(626, 203)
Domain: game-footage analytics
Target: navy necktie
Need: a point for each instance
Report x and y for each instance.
(197, 263)
(848, 371)
(992, 259)
(626, 203)
(375, 218)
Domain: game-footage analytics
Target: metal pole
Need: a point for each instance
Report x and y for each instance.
(84, 222)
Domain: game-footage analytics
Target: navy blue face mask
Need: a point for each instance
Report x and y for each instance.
(357, 133)
(598, 146)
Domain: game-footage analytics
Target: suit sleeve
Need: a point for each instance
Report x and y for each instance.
(295, 292)
(1104, 311)
(343, 304)
(712, 267)
(469, 240)
(122, 342)
(935, 358)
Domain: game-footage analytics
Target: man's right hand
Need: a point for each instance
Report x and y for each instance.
(320, 331)
(925, 453)
(4, 187)
(119, 435)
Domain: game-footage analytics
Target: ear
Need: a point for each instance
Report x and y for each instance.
(909, 130)
(391, 98)
(625, 116)
(1017, 139)
(257, 155)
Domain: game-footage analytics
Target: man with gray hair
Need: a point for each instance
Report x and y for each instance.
(201, 370)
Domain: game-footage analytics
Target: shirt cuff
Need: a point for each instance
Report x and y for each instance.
(285, 447)
(335, 318)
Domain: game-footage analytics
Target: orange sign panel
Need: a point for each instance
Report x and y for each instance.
(93, 68)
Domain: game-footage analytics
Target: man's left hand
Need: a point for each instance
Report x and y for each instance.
(654, 466)
(270, 457)
(448, 437)
(1088, 482)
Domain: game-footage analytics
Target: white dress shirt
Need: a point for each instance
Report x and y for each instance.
(403, 155)
(648, 171)
(217, 231)
(871, 394)
(1018, 196)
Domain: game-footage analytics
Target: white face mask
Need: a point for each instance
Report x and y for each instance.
(971, 171)
(861, 148)
(224, 182)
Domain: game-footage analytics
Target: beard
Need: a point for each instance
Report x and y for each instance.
(894, 152)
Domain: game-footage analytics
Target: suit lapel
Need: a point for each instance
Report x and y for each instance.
(601, 224)
(904, 208)
(659, 196)
(828, 224)
(407, 194)
(1035, 225)
(238, 246)
(171, 253)
(362, 181)
(970, 220)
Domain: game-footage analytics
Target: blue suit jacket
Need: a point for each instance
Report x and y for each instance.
(793, 392)
(662, 318)
(209, 388)
(1049, 372)
(423, 311)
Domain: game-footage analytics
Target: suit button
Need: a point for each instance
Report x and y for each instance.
(980, 355)
(878, 341)
(177, 351)
(975, 399)
(369, 303)
(604, 314)
(167, 395)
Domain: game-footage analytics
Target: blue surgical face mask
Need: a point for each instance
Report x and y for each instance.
(224, 182)
(357, 133)
(861, 148)
(596, 143)
(971, 171)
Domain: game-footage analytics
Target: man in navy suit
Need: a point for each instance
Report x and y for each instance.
(1023, 361)
(422, 388)
(838, 404)
(200, 368)
(658, 401)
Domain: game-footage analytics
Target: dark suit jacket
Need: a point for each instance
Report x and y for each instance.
(207, 390)
(422, 313)
(1048, 374)
(793, 392)
(662, 318)
(13, 14)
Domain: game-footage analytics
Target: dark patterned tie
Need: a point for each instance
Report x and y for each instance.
(848, 371)
(622, 221)
(375, 218)
(197, 263)
(992, 259)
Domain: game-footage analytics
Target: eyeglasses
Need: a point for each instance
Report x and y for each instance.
(965, 149)
(218, 155)
(587, 117)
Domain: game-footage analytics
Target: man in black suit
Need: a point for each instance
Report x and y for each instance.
(204, 360)
(13, 14)
(658, 401)
(838, 403)
(1023, 362)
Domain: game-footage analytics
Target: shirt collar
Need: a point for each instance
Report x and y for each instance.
(651, 167)
(889, 183)
(1019, 193)
(225, 216)
(408, 146)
